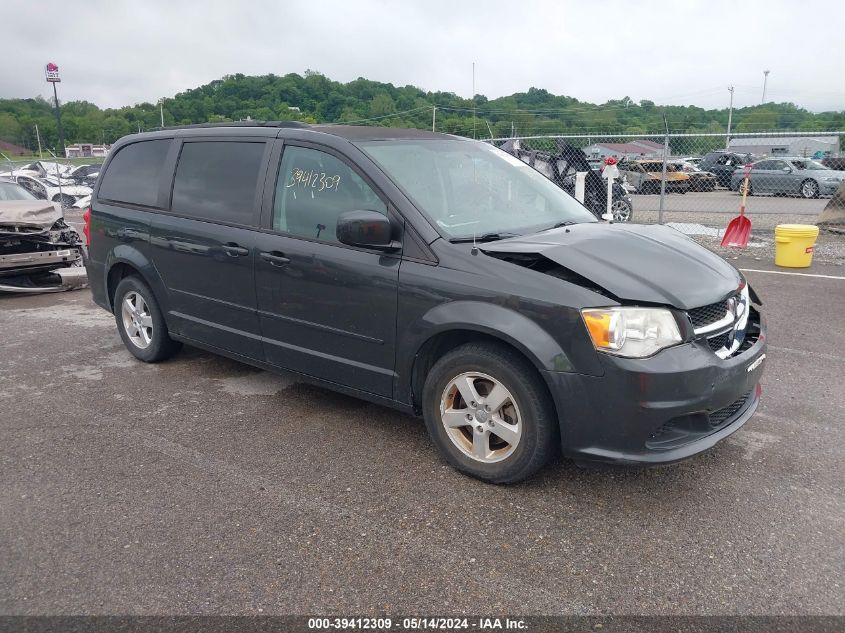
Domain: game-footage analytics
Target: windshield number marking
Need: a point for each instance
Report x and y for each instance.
(316, 180)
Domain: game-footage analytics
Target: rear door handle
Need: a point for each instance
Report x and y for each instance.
(275, 258)
(234, 250)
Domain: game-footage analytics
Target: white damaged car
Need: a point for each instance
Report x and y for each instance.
(39, 251)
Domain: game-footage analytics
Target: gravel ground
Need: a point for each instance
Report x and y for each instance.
(204, 486)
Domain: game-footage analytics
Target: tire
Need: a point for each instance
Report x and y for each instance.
(622, 211)
(742, 184)
(64, 200)
(526, 412)
(809, 189)
(149, 340)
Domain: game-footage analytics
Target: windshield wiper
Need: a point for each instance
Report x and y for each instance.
(484, 237)
(560, 225)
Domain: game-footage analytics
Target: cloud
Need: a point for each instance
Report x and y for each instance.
(118, 53)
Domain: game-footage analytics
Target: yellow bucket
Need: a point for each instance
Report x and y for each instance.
(794, 244)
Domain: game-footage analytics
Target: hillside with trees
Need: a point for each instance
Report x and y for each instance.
(314, 98)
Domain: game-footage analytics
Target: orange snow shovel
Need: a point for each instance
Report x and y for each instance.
(739, 228)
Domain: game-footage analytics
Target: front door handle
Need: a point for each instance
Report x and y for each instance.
(234, 250)
(275, 258)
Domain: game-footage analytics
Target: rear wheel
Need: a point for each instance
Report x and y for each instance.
(741, 188)
(489, 413)
(622, 210)
(140, 322)
(810, 189)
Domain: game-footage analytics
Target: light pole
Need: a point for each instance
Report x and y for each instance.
(51, 72)
(730, 116)
(161, 109)
(765, 81)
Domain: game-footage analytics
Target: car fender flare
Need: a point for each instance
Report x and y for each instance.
(500, 322)
(131, 256)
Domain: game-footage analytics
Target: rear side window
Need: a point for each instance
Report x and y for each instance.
(217, 180)
(134, 172)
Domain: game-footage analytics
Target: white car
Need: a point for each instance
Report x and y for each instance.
(48, 189)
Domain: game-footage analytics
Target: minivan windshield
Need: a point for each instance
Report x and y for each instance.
(471, 189)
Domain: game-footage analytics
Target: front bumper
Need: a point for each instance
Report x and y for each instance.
(657, 410)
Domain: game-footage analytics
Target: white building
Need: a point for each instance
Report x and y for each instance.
(785, 145)
(639, 149)
(86, 150)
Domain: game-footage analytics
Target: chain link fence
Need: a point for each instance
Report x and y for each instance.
(697, 179)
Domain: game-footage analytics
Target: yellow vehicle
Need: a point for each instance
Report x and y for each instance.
(644, 176)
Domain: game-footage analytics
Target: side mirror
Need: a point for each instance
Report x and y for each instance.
(369, 229)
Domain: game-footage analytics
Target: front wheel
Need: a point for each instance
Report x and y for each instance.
(141, 323)
(489, 413)
(742, 188)
(810, 189)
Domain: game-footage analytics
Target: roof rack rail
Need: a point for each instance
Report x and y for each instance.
(295, 124)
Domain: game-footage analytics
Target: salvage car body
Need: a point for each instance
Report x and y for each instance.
(699, 180)
(561, 168)
(46, 188)
(39, 252)
(645, 176)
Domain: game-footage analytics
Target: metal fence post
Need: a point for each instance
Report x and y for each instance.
(663, 179)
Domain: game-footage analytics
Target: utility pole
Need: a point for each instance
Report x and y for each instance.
(730, 116)
(161, 108)
(765, 81)
(433, 118)
(38, 136)
(473, 99)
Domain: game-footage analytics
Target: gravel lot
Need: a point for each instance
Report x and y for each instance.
(202, 485)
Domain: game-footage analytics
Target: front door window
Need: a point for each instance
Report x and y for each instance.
(313, 188)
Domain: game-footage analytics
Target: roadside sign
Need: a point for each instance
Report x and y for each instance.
(51, 71)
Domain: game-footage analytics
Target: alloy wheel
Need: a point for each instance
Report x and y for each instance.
(137, 320)
(481, 417)
(809, 189)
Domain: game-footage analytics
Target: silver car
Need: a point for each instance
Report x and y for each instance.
(789, 175)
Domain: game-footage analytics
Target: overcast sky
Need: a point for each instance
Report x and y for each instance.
(115, 52)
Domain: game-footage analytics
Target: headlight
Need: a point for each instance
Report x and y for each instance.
(631, 332)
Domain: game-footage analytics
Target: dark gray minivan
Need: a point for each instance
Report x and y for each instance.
(430, 273)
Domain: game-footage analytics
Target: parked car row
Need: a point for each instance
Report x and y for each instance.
(68, 185)
(67, 174)
(781, 175)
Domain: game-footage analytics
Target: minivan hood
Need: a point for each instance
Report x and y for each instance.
(634, 262)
